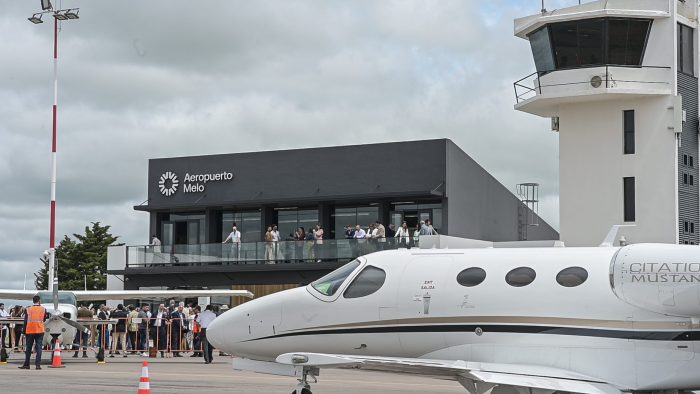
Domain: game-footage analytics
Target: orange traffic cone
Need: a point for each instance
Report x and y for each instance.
(56, 361)
(144, 383)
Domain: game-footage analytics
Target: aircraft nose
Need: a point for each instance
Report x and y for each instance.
(222, 333)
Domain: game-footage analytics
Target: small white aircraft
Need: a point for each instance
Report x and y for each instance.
(588, 320)
(62, 306)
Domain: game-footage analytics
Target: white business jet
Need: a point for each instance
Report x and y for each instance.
(589, 320)
(63, 310)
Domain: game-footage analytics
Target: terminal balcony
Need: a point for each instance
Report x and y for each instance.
(220, 264)
(541, 93)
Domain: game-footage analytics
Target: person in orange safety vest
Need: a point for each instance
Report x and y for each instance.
(34, 329)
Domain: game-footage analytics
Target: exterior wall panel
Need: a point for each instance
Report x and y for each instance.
(480, 206)
(688, 202)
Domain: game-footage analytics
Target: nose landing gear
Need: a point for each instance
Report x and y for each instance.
(303, 387)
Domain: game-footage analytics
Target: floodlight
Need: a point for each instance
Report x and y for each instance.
(60, 15)
(72, 14)
(46, 5)
(36, 19)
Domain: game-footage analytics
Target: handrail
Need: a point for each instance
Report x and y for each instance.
(524, 92)
(262, 252)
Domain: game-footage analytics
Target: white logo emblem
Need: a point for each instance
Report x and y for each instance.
(168, 183)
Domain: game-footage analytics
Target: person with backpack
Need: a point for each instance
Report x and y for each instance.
(119, 332)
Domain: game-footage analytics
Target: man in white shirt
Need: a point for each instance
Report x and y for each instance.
(204, 319)
(3, 328)
(156, 250)
(235, 238)
(275, 241)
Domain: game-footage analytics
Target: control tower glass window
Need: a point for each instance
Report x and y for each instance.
(542, 49)
(590, 43)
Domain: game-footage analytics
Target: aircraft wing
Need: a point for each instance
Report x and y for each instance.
(95, 295)
(474, 376)
(17, 294)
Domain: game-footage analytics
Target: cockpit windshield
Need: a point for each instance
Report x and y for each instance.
(329, 284)
(63, 297)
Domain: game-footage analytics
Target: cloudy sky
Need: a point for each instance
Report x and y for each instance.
(140, 80)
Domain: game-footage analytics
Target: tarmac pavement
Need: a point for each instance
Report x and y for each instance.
(192, 376)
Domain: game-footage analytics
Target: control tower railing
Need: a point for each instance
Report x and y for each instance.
(565, 82)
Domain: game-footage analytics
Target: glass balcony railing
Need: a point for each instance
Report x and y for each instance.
(260, 252)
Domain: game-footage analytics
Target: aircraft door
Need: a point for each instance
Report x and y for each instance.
(423, 297)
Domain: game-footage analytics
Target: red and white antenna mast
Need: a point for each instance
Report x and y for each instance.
(58, 15)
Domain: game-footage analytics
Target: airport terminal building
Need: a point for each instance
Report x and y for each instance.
(194, 201)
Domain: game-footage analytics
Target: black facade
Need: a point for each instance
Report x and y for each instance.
(195, 200)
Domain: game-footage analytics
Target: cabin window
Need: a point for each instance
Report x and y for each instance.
(471, 277)
(521, 276)
(572, 276)
(329, 284)
(367, 282)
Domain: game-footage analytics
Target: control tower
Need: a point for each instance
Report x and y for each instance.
(619, 80)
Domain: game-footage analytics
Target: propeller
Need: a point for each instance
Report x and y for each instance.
(72, 323)
(57, 313)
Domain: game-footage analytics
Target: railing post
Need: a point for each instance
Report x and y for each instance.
(539, 83)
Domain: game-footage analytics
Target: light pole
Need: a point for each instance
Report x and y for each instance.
(58, 15)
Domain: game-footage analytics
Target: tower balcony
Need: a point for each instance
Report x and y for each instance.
(541, 93)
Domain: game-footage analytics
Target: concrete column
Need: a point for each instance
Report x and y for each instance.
(384, 212)
(267, 218)
(325, 209)
(212, 223)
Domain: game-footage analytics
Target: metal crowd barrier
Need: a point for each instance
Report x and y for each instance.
(149, 336)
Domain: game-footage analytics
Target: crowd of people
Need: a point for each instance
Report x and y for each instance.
(307, 245)
(403, 236)
(11, 335)
(170, 331)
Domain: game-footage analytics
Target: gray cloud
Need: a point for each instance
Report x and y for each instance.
(179, 78)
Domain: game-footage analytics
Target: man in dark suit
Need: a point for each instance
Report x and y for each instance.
(178, 323)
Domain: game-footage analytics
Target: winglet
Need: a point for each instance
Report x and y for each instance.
(612, 234)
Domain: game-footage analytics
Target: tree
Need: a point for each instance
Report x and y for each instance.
(86, 256)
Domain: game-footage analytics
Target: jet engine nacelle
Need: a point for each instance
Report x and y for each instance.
(660, 278)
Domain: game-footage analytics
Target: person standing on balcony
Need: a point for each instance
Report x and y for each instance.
(380, 236)
(269, 249)
(404, 236)
(359, 235)
(299, 236)
(235, 238)
(310, 240)
(318, 235)
(155, 249)
(276, 241)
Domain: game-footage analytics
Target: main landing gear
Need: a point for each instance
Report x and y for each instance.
(303, 387)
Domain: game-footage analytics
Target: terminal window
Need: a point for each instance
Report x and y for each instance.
(628, 199)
